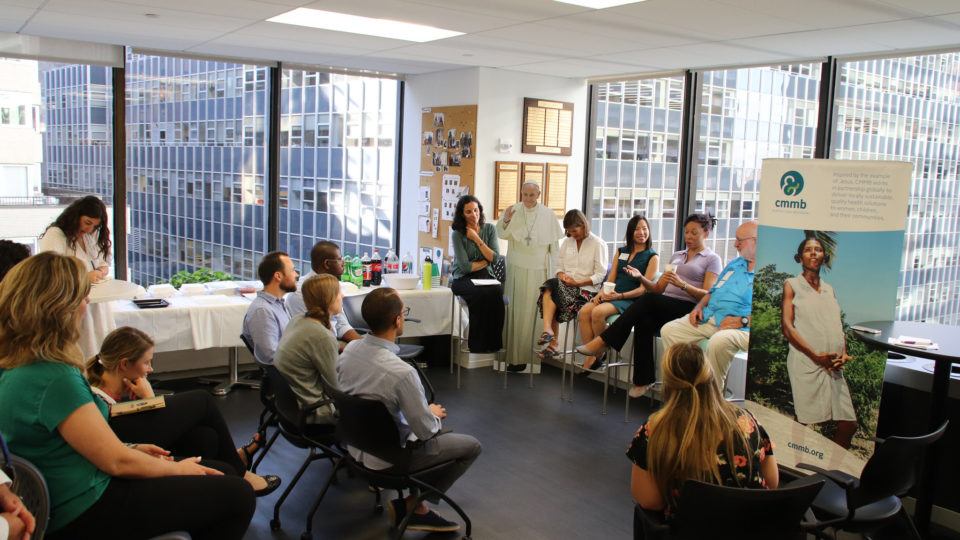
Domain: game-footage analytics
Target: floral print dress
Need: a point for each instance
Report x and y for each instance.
(742, 471)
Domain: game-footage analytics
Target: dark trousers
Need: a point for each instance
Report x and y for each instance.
(485, 304)
(207, 507)
(646, 316)
(190, 425)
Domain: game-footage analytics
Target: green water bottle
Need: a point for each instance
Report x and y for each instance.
(346, 269)
(356, 271)
(427, 271)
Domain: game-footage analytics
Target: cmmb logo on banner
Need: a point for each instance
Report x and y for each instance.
(829, 251)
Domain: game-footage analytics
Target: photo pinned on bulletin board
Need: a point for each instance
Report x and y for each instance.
(423, 224)
(438, 119)
(435, 223)
(424, 193)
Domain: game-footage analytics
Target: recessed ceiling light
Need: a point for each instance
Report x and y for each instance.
(599, 4)
(355, 24)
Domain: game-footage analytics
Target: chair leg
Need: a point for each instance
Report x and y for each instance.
(626, 394)
(905, 519)
(398, 534)
(426, 488)
(264, 450)
(275, 522)
(606, 385)
(319, 499)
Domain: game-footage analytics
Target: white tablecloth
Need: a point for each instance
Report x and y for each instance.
(98, 321)
(431, 307)
(190, 322)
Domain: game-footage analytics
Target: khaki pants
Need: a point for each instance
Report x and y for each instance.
(722, 345)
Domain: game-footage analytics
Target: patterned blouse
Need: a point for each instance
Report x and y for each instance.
(745, 469)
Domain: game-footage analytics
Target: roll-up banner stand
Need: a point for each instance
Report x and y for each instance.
(829, 251)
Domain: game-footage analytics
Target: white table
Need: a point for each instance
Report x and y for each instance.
(431, 308)
(98, 320)
(192, 322)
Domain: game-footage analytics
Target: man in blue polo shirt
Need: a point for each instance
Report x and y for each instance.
(723, 314)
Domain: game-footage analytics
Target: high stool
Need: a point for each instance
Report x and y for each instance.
(567, 353)
(611, 366)
(462, 336)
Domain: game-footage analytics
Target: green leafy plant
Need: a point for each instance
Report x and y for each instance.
(203, 275)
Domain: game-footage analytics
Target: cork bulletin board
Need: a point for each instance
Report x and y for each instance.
(447, 171)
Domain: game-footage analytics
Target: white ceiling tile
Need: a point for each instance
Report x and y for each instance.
(246, 9)
(853, 40)
(412, 67)
(316, 35)
(523, 10)
(914, 34)
(32, 4)
(10, 25)
(114, 15)
(707, 19)
(16, 13)
(927, 7)
(699, 55)
(579, 68)
(627, 29)
(466, 55)
(279, 44)
(568, 42)
(98, 30)
(817, 14)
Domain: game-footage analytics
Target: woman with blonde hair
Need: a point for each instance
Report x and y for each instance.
(189, 424)
(308, 349)
(50, 416)
(697, 435)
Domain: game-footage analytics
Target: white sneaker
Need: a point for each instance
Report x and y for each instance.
(638, 391)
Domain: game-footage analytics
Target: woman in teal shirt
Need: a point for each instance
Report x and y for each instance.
(475, 247)
(99, 488)
(637, 255)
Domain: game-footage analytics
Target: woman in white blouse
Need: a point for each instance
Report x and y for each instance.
(580, 272)
(81, 231)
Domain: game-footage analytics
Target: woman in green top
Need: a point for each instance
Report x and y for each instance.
(99, 488)
(636, 255)
(475, 246)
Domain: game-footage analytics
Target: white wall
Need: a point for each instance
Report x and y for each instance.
(499, 96)
(501, 116)
(445, 88)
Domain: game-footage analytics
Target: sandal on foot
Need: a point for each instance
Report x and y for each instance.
(545, 339)
(248, 451)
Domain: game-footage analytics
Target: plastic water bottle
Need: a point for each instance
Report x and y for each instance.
(367, 270)
(392, 265)
(407, 265)
(346, 269)
(427, 273)
(376, 269)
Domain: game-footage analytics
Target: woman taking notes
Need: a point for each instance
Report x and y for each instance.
(81, 230)
(99, 488)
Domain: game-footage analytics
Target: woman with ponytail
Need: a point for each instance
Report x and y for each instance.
(697, 435)
(308, 349)
(189, 424)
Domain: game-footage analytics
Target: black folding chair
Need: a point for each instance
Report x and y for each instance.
(867, 503)
(268, 416)
(367, 425)
(712, 511)
(320, 440)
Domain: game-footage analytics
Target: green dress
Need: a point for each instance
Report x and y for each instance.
(624, 282)
(34, 400)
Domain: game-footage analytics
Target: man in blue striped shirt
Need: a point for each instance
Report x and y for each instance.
(723, 314)
(267, 315)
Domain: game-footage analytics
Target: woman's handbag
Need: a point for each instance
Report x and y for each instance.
(499, 268)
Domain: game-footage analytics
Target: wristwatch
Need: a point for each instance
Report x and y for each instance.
(745, 321)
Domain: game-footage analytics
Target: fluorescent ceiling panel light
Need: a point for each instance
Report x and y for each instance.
(368, 26)
(599, 4)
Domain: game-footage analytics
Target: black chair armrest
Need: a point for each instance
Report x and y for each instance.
(834, 476)
(650, 523)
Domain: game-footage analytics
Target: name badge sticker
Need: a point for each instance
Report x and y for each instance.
(624, 257)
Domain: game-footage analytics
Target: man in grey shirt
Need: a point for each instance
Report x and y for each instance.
(370, 368)
(325, 258)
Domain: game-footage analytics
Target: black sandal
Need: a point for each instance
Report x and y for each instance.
(248, 453)
(545, 339)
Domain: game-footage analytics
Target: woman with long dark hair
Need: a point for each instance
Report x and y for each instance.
(81, 230)
(688, 277)
(635, 257)
(697, 435)
(475, 247)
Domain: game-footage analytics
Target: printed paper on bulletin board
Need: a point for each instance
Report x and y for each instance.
(447, 164)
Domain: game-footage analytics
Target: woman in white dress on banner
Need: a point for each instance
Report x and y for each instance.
(818, 349)
(532, 231)
(81, 231)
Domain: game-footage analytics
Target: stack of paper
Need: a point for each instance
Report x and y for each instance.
(914, 342)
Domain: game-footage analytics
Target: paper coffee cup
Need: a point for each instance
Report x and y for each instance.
(608, 286)
(671, 268)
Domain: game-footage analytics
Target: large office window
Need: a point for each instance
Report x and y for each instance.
(909, 109)
(55, 142)
(635, 162)
(747, 115)
(337, 163)
(196, 166)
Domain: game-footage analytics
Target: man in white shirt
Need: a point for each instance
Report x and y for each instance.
(369, 368)
(16, 522)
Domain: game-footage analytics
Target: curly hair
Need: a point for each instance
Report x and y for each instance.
(459, 221)
(69, 222)
(10, 254)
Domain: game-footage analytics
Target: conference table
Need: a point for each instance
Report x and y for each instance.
(215, 321)
(98, 320)
(948, 339)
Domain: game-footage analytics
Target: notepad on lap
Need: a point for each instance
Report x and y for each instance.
(481, 282)
(140, 405)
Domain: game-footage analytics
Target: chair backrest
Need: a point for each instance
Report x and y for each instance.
(893, 468)
(246, 341)
(30, 486)
(367, 425)
(284, 400)
(712, 511)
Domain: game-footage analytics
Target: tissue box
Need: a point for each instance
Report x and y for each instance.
(164, 290)
(193, 289)
(225, 288)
